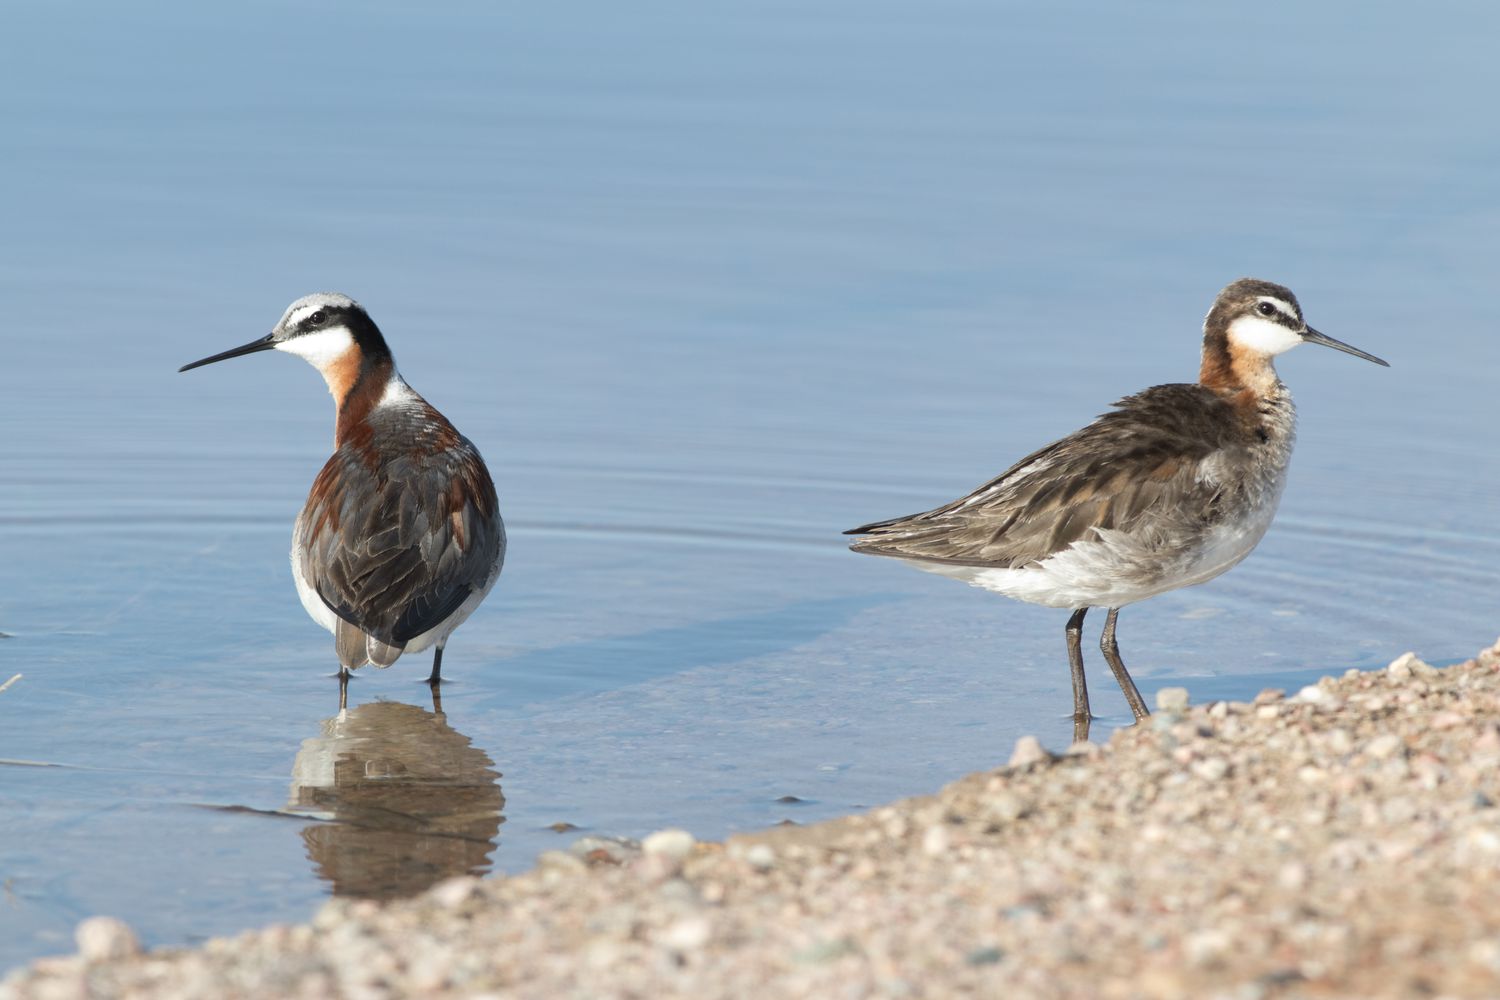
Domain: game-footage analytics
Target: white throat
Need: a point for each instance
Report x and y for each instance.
(1262, 336)
(320, 349)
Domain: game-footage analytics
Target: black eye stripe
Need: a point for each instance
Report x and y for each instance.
(1273, 312)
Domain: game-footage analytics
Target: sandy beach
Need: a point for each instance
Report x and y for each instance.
(1342, 840)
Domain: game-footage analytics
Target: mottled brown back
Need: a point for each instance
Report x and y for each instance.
(400, 526)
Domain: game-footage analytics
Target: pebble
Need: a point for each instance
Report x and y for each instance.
(1407, 665)
(760, 856)
(604, 850)
(1211, 769)
(1311, 695)
(687, 934)
(1004, 807)
(1448, 720)
(101, 938)
(455, 892)
(1028, 751)
(560, 861)
(989, 955)
(673, 844)
(936, 840)
(1172, 699)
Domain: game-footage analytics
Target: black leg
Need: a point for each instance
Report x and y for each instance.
(1081, 714)
(437, 668)
(1111, 651)
(343, 688)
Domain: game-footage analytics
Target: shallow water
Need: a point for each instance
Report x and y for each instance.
(705, 287)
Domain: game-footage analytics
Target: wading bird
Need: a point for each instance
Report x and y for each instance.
(1171, 488)
(401, 537)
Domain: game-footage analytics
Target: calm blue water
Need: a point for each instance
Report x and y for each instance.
(706, 286)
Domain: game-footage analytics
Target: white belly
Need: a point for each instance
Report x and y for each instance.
(311, 602)
(1114, 568)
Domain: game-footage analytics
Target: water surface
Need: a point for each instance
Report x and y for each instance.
(706, 286)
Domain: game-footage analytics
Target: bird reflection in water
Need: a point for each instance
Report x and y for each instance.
(406, 800)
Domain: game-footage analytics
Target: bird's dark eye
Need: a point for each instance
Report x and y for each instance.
(1266, 309)
(317, 318)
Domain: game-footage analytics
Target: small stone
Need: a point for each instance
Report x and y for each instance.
(562, 826)
(656, 868)
(1172, 699)
(1292, 876)
(604, 850)
(826, 951)
(984, 956)
(1207, 947)
(673, 844)
(560, 861)
(1028, 751)
(761, 857)
(331, 914)
(455, 892)
(936, 840)
(1448, 720)
(1084, 748)
(1003, 808)
(101, 938)
(1399, 812)
(1483, 840)
(1383, 746)
(687, 934)
(1212, 769)
(1268, 695)
(1403, 666)
(1268, 711)
(1485, 953)
(1311, 695)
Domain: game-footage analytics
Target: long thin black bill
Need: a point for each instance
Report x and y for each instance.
(263, 344)
(1314, 337)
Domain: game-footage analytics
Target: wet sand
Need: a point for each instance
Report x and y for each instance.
(1343, 840)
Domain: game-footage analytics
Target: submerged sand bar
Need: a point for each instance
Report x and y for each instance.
(1344, 840)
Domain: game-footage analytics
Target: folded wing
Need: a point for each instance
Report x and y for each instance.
(396, 548)
(1150, 459)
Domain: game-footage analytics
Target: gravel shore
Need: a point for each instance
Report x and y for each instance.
(1340, 841)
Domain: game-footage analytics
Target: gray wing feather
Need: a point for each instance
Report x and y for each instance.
(1132, 468)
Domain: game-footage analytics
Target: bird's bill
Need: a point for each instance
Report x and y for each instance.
(263, 344)
(1312, 336)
